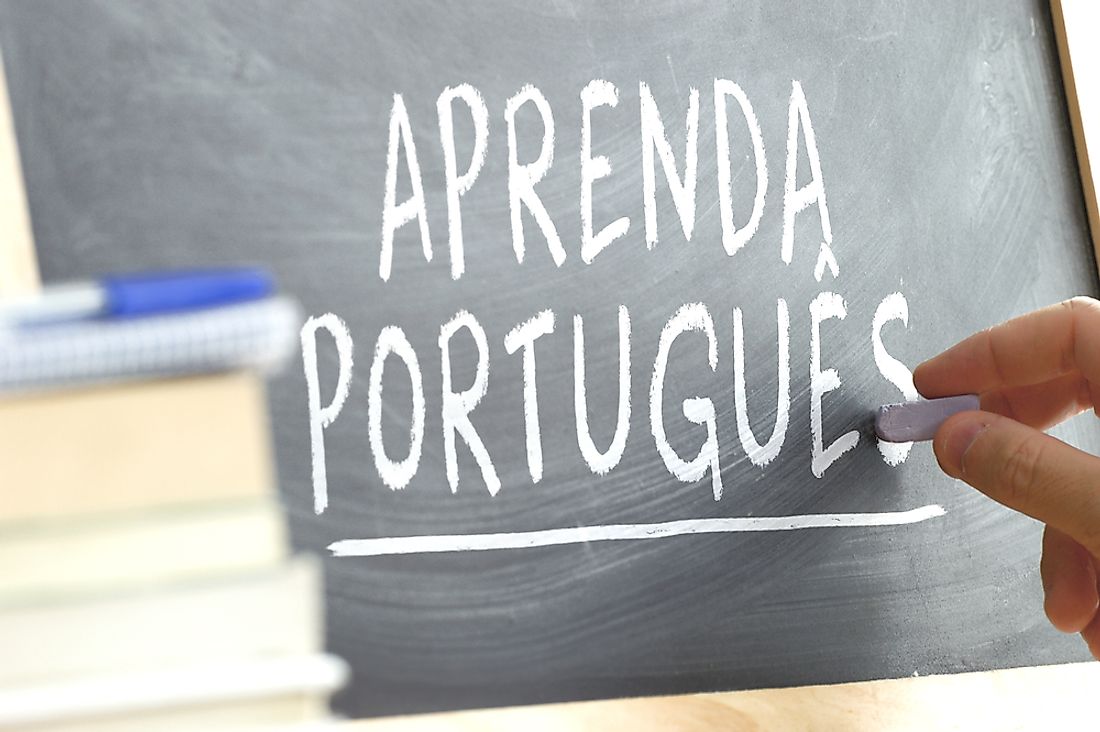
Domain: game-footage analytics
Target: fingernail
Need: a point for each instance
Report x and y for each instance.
(959, 441)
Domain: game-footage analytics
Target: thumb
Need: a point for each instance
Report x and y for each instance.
(1026, 470)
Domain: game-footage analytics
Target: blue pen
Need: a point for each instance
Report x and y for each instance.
(136, 295)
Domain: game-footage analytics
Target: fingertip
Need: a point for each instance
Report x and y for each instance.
(921, 378)
(938, 377)
(954, 438)
(1065, 617)
(1069, 582)
(1091, 635)
(1071, 609)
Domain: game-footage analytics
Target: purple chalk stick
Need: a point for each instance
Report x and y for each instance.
(912, 421)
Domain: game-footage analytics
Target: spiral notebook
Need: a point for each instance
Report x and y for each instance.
(257, 334)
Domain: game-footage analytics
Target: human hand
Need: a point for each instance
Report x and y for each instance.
(1031, 373)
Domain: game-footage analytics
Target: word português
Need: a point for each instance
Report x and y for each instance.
(458, 406)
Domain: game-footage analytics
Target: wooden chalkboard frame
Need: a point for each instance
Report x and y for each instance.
(18, 265)
(1013, 698)
(1074, 20)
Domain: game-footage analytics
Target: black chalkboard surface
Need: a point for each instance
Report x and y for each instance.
(772, 210)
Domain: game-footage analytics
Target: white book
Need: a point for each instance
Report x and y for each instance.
(51, 560)
(266, 613)
(214, 695)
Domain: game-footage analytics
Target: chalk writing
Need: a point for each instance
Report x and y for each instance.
(679, 165)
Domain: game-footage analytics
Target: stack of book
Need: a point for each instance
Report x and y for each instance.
(145, 576)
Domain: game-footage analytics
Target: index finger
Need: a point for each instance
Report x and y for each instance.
(1033, 348)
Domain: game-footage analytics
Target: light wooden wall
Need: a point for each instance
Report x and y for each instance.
(1076, 26)
(18, 264)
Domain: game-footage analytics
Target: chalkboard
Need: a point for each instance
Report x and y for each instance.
(863, 183)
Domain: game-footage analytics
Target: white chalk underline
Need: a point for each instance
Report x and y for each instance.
(582, 534)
